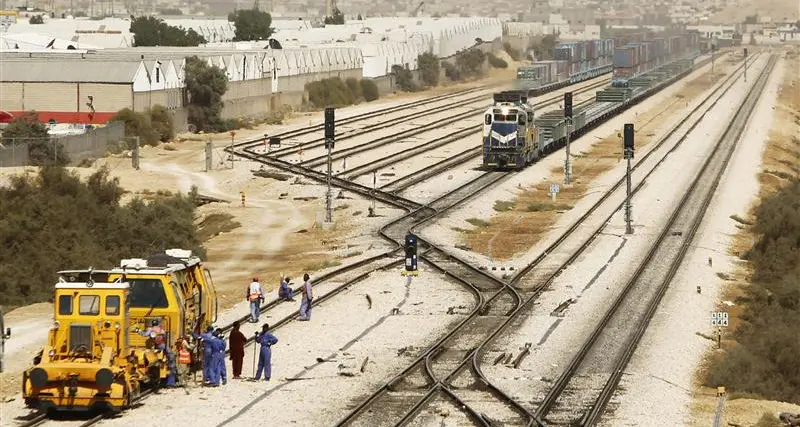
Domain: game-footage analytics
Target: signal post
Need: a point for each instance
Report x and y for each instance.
(330, 137)
(567, 128)
(628, 150)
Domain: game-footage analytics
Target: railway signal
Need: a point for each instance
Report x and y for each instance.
(628, 150)
(568, 120)
(411, 255)
(330, 133)
(745, 65)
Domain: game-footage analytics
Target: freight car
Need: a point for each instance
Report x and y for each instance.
(637, 58)
(574, 62)
(509, 133)
(551, 127)
(104, 347)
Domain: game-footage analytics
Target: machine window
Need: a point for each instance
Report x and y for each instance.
(65, 305)
(488, 119)
(505, 117)
(147, 293)
(112, 305)
(89, 305)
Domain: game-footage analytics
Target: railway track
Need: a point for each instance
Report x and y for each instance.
(318, 142)
(454, 361)
(312, 129)
(582, 392)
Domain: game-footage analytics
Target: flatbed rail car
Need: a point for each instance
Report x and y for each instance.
(109, 330)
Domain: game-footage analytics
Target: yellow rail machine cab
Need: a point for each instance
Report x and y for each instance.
(84, 364)
(171, 295)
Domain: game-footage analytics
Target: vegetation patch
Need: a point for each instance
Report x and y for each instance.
(515, 54)
(215, 224)
(546, 207)
(496, 62)
(502, 205)
(42, 150)
(333, 92)
(478, 222)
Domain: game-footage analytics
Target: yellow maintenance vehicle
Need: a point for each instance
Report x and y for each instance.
(101, 357)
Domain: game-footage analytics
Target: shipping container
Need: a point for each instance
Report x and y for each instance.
(563, 53)
(624, 57)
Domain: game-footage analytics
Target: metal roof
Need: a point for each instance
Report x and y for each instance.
(97, 285)
(68, 71)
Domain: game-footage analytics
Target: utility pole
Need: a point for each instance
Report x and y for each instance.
(568, 128)
(233, 134)
(330, 135)
(374, 185)
(745, 65)
(209, 155)
(628, 150)
(135, 156)
(713, 48)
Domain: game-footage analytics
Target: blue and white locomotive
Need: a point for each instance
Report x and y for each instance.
(510, 136)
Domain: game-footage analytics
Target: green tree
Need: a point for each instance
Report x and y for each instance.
(359, 17)
(55, 220)
(336, 18)
(36, 19)
(28, 130)
(369, 89)
(205, 86)
(404, 79)
(137, 124)
(151, 31)
(251, 24)
(429, 69)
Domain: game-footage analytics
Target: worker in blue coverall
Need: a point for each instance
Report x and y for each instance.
(219, 353)
(209, 373)
(267, 340)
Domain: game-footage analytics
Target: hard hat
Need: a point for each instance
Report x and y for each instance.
(152, 334)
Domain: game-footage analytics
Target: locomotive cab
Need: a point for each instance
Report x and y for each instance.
(84, 365)
(509, 132)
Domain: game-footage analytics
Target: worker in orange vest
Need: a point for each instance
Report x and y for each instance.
(255, 296)
(184, 349)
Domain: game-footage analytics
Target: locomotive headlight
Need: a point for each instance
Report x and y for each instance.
(116, 326)
(38, 377)
(56, 324)
(51, 353)
(104, 377)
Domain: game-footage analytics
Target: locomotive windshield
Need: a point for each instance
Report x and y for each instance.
(505, 117)
(503, 128)
(147, 293)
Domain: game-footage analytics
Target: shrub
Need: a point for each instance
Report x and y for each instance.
(764, 361)
(370, 90)
(162, 123)
(452, 72)
(515, 54)
(496, 62)
(404, 79)
(429, 69)
(469, 63)
(55, 220)
(331, 92)
(137, 124)
(354, 87)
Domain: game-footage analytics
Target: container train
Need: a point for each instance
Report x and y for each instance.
(105, 346)
(636, 58)
(513, 145)
(574, 62)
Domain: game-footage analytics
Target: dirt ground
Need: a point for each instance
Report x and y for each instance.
(523, 221)
(276, 233)
(780, 159)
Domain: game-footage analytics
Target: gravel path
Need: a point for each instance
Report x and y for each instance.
(659, 380)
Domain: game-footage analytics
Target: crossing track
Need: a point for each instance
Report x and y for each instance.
(497, 302)
(78, 419)
(462, 376)
(594, 373)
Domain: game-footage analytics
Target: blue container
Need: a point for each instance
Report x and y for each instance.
(624, 57)
(563, 53)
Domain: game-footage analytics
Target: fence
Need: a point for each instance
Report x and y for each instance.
(94, 142)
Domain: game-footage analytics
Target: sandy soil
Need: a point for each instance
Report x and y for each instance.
(779, 157)
(778, 10)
